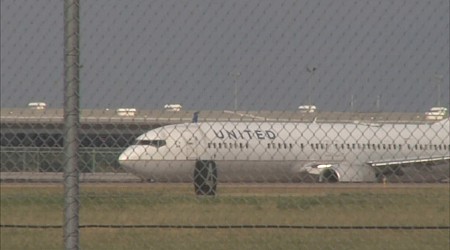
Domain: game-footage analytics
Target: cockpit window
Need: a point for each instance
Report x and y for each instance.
(154, 143)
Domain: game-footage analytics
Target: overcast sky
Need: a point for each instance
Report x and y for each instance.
(145, 54)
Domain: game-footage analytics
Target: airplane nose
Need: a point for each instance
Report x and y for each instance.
(123, 157)
(128, 155)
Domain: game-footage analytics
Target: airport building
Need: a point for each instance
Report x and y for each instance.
(32, 139)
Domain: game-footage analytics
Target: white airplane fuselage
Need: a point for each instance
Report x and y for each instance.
(280, 152)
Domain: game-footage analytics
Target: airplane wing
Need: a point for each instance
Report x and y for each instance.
(394, 165)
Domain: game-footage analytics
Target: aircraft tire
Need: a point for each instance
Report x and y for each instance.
(205, 178)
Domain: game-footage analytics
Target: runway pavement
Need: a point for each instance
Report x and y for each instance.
(111, 177)
(50, 177)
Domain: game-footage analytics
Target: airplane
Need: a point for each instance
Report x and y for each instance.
(209, 152)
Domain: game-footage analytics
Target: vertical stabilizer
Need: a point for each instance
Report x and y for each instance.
(195, 117)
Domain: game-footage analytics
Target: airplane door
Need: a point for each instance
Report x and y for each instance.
(195, 147)
(189, 149)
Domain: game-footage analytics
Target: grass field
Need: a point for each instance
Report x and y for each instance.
(274, 205)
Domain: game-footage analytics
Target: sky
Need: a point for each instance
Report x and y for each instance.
(368, 55)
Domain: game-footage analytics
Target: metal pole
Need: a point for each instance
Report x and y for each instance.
(439, 79)
(310, 70)
(378, 103)
(94, 161)
(439, 94)
(71, 123)
(235, 95)
(235, 78)
(352, 100)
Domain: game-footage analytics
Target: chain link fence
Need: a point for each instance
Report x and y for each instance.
(225, 125)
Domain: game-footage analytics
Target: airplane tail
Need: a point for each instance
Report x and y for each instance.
(195, 117)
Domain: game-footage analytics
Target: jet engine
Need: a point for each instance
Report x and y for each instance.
(347, 173)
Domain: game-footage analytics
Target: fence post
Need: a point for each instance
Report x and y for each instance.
(71, 124)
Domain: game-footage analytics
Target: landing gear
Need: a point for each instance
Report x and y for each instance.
(205, 178)
(329, 176)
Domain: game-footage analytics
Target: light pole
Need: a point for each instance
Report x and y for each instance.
(310, 70)
(352, 103)
(377, 104)
(235, 76)
(439, 79)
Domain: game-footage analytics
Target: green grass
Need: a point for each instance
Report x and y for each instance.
(168, 204)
